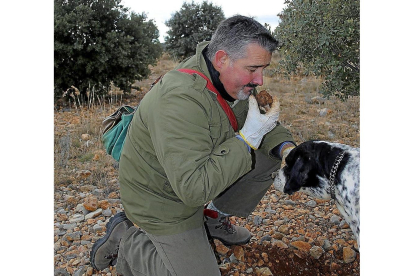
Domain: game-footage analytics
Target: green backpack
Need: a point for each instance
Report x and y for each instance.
(115, 128)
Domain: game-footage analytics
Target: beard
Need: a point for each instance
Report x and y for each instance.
(241, 95)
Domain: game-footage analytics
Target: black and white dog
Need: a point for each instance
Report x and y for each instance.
(324, 170)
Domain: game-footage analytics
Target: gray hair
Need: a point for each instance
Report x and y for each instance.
(235, 33)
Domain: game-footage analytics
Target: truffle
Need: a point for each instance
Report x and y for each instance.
(264, 99)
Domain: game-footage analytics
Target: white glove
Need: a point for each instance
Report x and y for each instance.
(257, 125)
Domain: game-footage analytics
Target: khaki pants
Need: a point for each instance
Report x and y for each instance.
(190, 253)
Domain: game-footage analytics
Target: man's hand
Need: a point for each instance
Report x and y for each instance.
(257, 125)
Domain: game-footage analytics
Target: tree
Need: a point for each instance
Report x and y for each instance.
(322, 38)
(98, 42)
(191, 25)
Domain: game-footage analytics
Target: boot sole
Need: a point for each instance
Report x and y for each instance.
(114, 221)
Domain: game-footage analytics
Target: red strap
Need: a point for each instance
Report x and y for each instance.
(210, 213)
(227, 109)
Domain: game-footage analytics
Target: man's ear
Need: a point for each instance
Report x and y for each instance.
(220, 59)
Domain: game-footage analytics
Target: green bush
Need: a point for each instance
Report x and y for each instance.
(191, 25)
(322, 37)
(99, 42)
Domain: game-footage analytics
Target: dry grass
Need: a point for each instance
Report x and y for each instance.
(307, 114)
(75, 153)
(301, 114)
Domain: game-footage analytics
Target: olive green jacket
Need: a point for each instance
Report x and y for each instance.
(181, 151)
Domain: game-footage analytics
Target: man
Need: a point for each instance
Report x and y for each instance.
(183, 151)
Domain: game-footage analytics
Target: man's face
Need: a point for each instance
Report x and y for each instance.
(239, 77)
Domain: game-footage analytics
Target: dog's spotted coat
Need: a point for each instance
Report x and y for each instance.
(307, 169)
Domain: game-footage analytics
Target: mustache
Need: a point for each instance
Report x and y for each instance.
(251, 85)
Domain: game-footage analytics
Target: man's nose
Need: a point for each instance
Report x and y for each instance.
(258, 78)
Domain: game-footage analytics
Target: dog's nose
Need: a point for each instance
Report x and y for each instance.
(287, 190)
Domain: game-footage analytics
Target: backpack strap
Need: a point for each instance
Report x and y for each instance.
(227, 109)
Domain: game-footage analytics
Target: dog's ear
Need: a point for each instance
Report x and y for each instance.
(298, 173)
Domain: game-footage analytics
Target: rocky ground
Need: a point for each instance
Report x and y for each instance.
(292, 235)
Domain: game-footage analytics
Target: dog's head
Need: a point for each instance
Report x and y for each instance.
(301, 172)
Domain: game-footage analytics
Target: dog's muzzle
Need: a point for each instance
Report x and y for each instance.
(278, 182)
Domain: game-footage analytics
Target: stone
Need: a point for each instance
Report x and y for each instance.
(311, 203)
(266, 238)
(344, 225)
(283, 229)
(335, 219)
(264, 271)
(233, 259)
(224, 268)
(316, 252)
(341, 242)
(349, 254)
(91, 203)
(85, 137)
(81, 209)
(77, 218)
(301, 254)
(278, 235)
(326, 245)
(103, 204)
(107, 212)
(86, 237)
(279, 222)
(97, 228)
(61, 272)
(75, 236)
(71, 200)
(220, 247)
(279, 244)
(69, 226)
(80, 271)
(83, 174)
(301, 245)
(97, 192)
(238, 252)
(93, 214)
(113, 195)
(265, 257)
(89, 271)
(335, 266)
(257, 220)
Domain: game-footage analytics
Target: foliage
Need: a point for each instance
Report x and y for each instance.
(191, 25)
(99, 42)
(322, 37)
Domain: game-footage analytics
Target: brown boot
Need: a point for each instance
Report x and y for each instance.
(219, 227)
